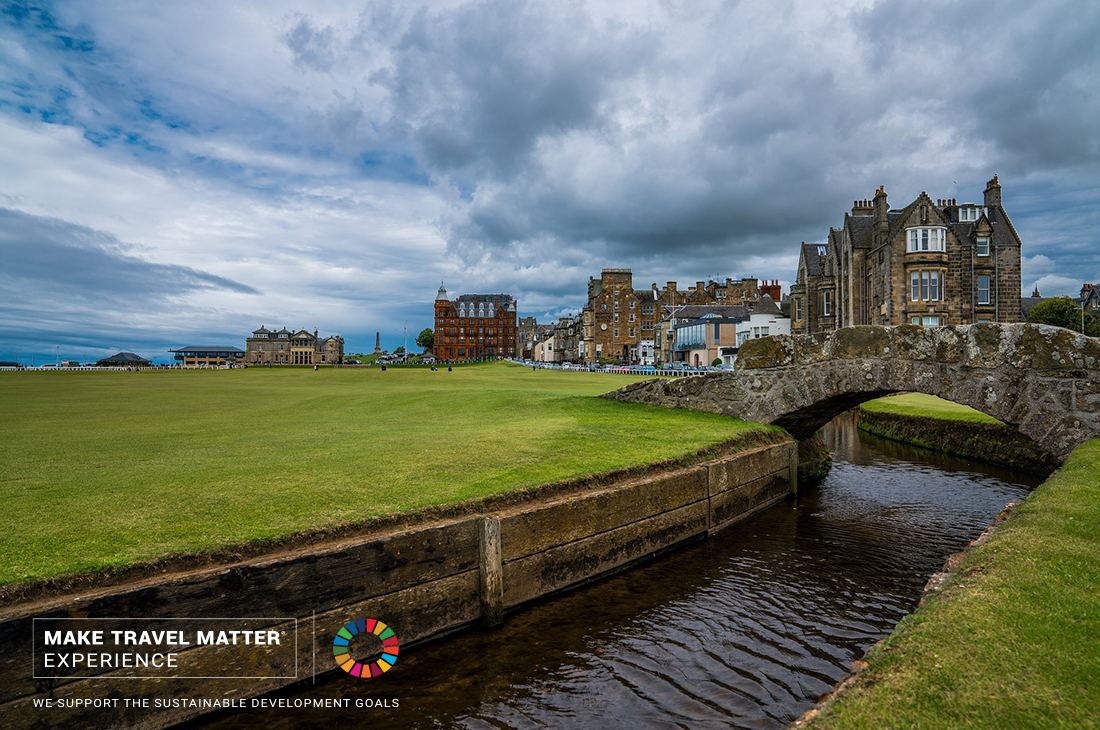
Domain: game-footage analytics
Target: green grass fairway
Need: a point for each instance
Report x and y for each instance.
(919, 404)
(1014, 641)
(101, 469)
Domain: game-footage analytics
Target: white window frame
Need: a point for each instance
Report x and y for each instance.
(982, 250)
(984, 290)
(926, 239)
(826, 303)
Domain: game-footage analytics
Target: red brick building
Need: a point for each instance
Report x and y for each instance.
(474, 326)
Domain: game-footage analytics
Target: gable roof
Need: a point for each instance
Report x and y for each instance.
(767, 305)
(125, 357)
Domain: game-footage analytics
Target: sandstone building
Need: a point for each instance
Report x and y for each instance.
(620, 322)
(475, 326)
(931, 263)
(292, 348)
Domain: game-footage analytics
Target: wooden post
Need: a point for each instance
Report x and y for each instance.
(793, 469)
(492, 572)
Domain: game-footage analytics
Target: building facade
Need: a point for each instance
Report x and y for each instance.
(284, 347)
(475, 326)
(621, 323)
(208, 356)
(931, 263)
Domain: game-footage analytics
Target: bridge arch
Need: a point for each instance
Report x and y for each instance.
(1043, 380)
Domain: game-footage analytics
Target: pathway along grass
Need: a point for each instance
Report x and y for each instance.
(101, 469)
(1014, 641)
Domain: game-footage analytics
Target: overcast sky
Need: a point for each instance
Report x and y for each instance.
(182, 173)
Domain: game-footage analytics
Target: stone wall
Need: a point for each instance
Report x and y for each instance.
(1042, 380)
(422, 582)
(993, 443)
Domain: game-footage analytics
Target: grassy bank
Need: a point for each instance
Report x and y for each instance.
(107, 468)
(933, 423)
(1014, 640)
(919, 404)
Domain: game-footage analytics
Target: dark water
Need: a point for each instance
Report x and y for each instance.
(744, 630)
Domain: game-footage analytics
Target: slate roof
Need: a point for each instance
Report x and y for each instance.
(125, 357)
(695, 311)
(814, 259)
(1027, 304)
(207, 348)
(499, 301)
(767, 305)
(261, 331)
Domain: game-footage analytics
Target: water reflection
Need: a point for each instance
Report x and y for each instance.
(744, 630)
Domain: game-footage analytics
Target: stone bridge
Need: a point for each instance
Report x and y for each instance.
(1043, 380)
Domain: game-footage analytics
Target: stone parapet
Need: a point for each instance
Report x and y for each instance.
(1042, 380)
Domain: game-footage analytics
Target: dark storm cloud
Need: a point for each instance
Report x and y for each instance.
(50, 260)
(1019, 75)
(728, 133)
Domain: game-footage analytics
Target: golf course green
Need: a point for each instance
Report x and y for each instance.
(105, 469)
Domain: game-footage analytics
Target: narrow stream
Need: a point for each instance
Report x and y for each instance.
(744, 630)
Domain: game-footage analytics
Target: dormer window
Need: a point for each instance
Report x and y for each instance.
(926, 239)
(981, 243)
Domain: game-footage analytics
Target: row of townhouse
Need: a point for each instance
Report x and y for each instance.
(659, 326)
(623, 324)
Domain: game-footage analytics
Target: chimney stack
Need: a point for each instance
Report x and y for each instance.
(881, 208)
(993, 192)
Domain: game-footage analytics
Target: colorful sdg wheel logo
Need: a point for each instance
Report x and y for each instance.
(365, 626)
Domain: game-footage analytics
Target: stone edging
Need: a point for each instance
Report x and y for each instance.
(992, 443)
(423, 581)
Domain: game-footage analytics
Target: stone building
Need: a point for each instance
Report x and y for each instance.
(475, 326)
(1089, 299)
(620, 322)
(931, 263)
(567, 339)
(284, 347)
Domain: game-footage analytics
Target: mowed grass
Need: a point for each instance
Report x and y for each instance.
(102, 469)
(919, 404)
(1014, 642)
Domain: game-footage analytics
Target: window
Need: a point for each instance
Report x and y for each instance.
(969, 215)
(926, 321)
(631, 331)
(616, 331)
(741, 337)
(926, 239)
(925, 286)
(632, 306)
(982, 244)
(826, 303)
(798, 308)
(983, 290)
(648, 309)
(632, 316)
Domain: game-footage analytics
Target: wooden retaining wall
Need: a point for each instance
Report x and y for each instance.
(422, 581)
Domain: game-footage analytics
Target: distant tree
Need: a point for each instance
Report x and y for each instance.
(1063, 312)
(716, 362)
(426, 338)
(399, 351)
